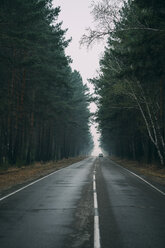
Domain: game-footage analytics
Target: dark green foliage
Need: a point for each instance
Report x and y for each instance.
(131, 84)
(38, 88)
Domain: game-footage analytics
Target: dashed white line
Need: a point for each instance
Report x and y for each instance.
(95, 200)
(96, 233)
(94, 184)
(96, 216)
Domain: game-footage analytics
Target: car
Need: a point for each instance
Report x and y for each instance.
(100, 155)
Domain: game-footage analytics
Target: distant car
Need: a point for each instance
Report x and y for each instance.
(100, 155)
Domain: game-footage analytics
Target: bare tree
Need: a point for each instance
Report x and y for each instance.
(105, 14)
(149, 111)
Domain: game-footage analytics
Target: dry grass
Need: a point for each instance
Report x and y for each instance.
(14, 176)
(151, 171)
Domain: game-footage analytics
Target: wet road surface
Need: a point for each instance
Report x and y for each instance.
(45, 214)
(58, 211)
(132, 213)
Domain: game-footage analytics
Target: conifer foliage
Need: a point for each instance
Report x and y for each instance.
(131, 85)
(43, 104)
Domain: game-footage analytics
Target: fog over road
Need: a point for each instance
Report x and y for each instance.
(58, 211)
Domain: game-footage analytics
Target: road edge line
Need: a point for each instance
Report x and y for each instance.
(151, 185)
(36, 181)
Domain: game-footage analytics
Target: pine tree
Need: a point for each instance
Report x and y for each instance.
(132, 72)
(37, 88)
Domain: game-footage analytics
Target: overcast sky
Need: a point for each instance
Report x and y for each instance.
(76, 17)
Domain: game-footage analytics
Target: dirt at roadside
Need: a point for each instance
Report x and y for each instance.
(14, 176)
(150, 171)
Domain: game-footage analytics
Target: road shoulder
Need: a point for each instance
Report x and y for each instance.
(14, 177)
(148, 172)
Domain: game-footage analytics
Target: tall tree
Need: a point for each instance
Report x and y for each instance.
(132, 67)
(36, 83)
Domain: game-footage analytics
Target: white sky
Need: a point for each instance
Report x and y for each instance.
(76, 17)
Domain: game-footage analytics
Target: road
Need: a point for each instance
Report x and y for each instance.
(58, 210)
(131, 212)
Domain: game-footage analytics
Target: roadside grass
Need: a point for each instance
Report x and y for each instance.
(14, 175)
(149, 170)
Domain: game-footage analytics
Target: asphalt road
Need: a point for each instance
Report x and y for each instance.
(58, 211)
(132, 213)
(52, 213)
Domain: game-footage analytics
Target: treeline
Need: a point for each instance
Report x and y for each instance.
(131, 84)
(43, 104)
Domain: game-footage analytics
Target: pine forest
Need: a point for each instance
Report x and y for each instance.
(131, 81)
(44, 104)
(44, 111)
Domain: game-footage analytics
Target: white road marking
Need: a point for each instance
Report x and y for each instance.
(95, 201)
(96, 216)
(96, 233)
(16, 191)
(94, 184)
(151, 185)
(13, 193)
